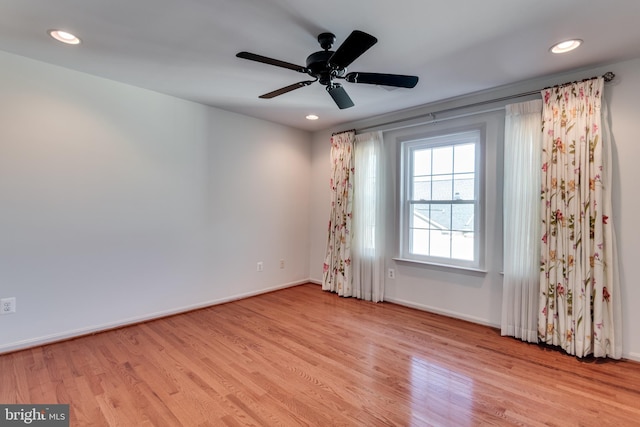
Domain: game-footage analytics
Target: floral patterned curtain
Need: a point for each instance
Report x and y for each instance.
(337, 271)
(578, 293)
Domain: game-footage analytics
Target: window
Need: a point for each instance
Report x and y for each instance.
(441, 198)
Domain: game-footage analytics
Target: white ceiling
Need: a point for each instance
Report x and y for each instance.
(186, 48)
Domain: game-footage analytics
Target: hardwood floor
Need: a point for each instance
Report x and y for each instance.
(301, 356)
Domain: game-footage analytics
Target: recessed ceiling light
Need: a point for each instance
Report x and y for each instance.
(312, 117)
(566, 46)
(64, 37)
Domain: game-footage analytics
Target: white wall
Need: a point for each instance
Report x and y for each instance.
(478, 297)
(119, 204)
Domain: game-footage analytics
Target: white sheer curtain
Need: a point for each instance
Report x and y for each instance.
(611, 256)
(521, 194)
(369, 205)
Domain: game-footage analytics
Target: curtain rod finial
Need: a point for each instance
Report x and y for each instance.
(608, 76)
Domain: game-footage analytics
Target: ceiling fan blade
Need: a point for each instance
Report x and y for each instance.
(286, 89)
(355, 45)
(271, 61)
(397, 80)
(340, 96)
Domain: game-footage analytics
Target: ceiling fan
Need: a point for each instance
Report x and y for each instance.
(327, 66)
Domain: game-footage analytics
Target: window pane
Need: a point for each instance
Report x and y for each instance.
(440, 243)
(465, 158)
(464, 187)
(462, 217)
(420, 216)
(462, 245)
(419, 244)
(443, 160)
(422, 188)
(441, 217)
(422, 162)
(442, 187)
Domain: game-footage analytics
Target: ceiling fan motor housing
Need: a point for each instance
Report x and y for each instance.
(318, 66)
(318, 62)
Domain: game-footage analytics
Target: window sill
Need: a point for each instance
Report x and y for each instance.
(447, 266)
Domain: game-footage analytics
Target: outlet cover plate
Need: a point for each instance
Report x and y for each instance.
(7, 305)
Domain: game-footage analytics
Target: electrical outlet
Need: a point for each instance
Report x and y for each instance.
(7, 305)
(281, 263)
(391, 274)
(260, 266)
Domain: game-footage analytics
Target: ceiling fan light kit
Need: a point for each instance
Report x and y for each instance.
(326, 66)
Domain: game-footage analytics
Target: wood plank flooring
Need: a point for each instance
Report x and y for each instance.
(301, 356)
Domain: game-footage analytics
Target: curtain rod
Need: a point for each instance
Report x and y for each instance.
(608, 76)
(343, 131)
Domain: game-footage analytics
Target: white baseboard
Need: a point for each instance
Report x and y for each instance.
(629, 356)
(48, 339)
(632, 356)
(442, 312)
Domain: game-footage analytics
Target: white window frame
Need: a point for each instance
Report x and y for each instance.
(447, 137)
